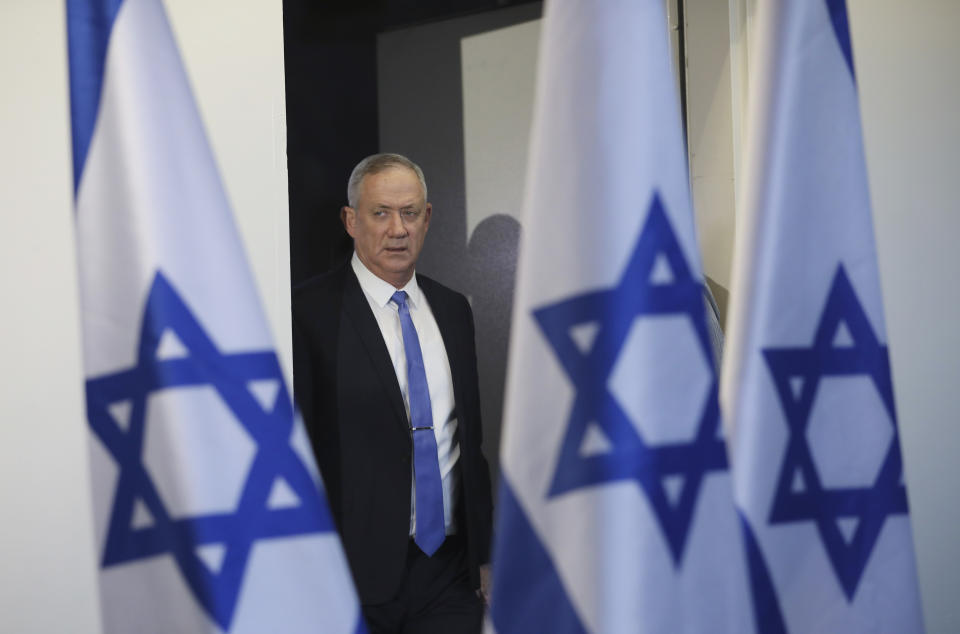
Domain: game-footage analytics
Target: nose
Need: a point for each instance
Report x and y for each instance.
(397, 229)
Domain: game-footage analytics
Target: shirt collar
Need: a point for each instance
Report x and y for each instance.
(381, 291)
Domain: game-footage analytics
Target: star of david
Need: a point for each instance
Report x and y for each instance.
(796, 373)
(841, 29)
(269, 426)
(638, 294)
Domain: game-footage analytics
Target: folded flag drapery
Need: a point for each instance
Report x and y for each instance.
(615, 511)
(210, 515)
(806, 381)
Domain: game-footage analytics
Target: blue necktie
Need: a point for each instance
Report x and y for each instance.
(426, 467)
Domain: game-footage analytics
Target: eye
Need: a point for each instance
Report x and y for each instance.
(379, 213)
(411, 213)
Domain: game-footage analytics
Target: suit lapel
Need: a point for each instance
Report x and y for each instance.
(357, 307)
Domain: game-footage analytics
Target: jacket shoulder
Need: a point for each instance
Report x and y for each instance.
(436, 291)
(321, 288)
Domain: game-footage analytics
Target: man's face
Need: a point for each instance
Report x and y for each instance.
(389, 224)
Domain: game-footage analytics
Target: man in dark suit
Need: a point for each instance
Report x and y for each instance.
(385, 374)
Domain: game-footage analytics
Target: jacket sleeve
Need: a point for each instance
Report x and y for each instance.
(482, 499)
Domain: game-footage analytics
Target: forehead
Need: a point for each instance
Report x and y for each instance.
(393, 186)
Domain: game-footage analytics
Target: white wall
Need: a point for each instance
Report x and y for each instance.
(906, 59)
(710, 134)
(499, 70)
(46, 536)
(234, 56)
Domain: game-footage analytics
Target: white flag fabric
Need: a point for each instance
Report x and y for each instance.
(615, 511)
(209, 511)
(806, 379)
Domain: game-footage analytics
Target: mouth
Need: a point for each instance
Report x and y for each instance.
(395, 250)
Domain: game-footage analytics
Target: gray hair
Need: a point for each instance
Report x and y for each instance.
(375, 164)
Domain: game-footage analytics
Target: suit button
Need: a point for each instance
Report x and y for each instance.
(405, 460)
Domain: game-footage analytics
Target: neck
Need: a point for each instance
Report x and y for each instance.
(398, 283)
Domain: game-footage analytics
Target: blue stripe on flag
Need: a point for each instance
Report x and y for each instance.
(841, 26)
(89, 24)
(528, 594)
(766, 607)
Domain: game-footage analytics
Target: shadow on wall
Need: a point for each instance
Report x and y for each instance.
(722, 297)
(490, 277)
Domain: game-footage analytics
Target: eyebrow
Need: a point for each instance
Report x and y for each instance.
(403, 208)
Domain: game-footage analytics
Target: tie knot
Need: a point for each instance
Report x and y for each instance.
(400, 298)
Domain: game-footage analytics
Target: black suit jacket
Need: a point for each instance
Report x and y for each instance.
(345, 385)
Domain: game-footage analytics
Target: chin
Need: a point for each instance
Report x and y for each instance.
(398, 263)
(394, 266)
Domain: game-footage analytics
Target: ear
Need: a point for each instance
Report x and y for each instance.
(348, 216)
(428, 210)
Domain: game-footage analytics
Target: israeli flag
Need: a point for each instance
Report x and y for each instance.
(209, 511)
(616, 506)
(817, 465)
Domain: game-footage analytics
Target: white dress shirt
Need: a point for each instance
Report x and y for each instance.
(439, 378)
